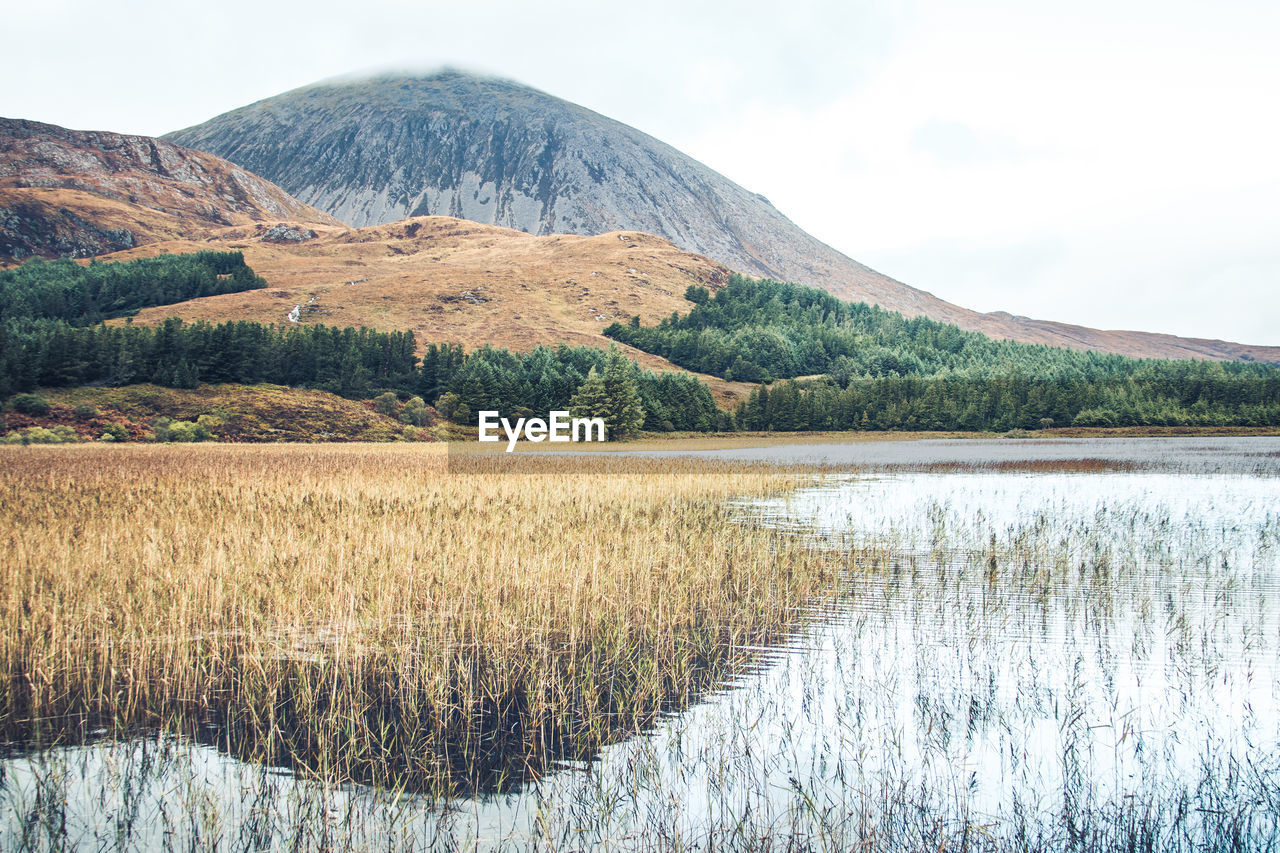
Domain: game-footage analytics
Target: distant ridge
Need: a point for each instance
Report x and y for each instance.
(85, 193)
(377, 150)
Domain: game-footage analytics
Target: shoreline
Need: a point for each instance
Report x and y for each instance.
(748, 440)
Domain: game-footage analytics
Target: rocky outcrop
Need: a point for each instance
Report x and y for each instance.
(286, 233)
(29, 227)
(500, 153)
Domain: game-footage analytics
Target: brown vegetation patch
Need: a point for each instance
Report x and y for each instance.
(240, 413)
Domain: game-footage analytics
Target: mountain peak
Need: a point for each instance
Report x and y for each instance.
(410, 90)
(375, 149)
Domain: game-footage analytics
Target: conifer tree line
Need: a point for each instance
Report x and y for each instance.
(867, 368)
(1004, 403)
(585, 380)
(82, 295)
(355, 363)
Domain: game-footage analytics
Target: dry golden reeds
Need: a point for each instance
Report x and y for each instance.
(366, 612)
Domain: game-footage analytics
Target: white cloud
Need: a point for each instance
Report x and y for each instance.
(1098, 169)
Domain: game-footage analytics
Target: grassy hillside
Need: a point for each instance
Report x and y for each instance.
(448, 280)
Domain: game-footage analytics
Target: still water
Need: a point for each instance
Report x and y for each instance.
(1084, 656)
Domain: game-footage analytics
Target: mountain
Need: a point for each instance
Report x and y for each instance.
(377, 150)
(83, 193)
(496, 152)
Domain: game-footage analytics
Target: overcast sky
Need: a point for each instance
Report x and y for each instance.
(1106, 163)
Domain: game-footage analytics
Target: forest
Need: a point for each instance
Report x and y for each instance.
(355, 363)
(819, 363)
(858, 366)
(86, 294)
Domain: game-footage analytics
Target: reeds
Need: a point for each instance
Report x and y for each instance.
(365, 613)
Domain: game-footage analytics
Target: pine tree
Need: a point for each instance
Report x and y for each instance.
(591, 400)
(353, 376)
(185, 376)
(626, 412)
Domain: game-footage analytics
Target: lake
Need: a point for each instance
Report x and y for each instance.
(1048, 644)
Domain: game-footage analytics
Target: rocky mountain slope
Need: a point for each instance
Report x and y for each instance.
(81, 193)
(496, 152)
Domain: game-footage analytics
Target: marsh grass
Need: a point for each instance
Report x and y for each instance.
(361, 614)
(1067, 658)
